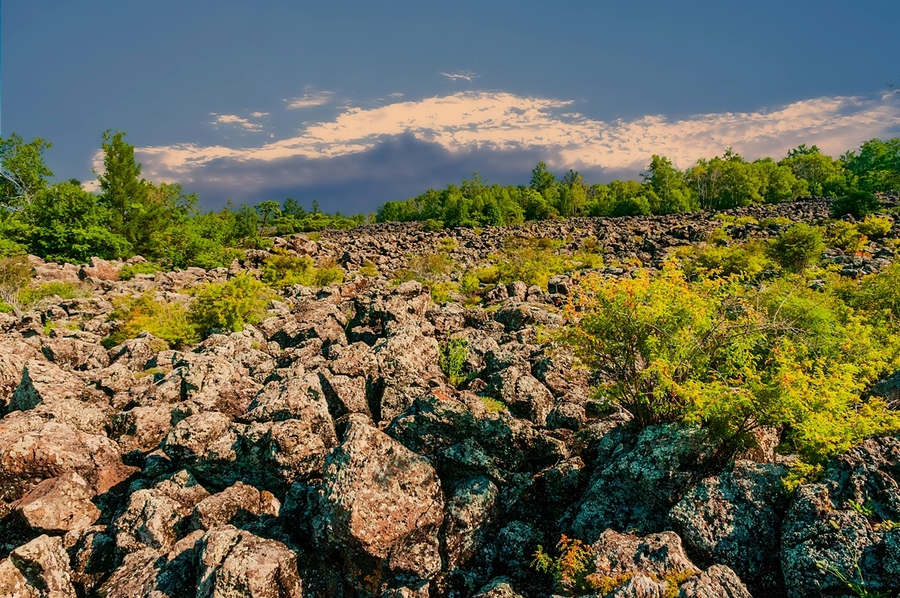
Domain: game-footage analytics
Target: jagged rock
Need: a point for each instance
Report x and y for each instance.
(498, 588)
(523, 394)
(822, 525)
(141, 428)
(383, 504)
(45, 567)
(99, 270)
(149, 521)
(407, 360)
(234, 563)
(59, 505)
(715, 582)
(92, 554)
(32, 450)
(469, 509)
(638, 479)
(735, 519)
(236, 505)
(14, 354)
(75, 353)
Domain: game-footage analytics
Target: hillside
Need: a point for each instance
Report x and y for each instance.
(392, 411)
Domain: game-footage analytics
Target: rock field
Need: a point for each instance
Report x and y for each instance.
(323, 452)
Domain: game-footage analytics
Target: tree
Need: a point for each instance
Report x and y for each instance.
(668, 184)
(23, 173)
(122, 189)
(541, 178)
(823, 174)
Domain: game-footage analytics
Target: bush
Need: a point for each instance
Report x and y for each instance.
(229, 306)
(875, 227)
(452, 359)
(430, 266)
(797, 247)
(63, 290)
(856, 203)
(441, 292)
(432, 225)
(745, 261)
(165, 320)
(129, 271)
(731, 359)
(846, 236)
(284, 269)
(15, 275)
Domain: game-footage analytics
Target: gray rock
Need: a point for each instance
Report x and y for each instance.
(59, 505)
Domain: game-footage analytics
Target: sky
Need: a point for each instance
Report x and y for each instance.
(354, 102)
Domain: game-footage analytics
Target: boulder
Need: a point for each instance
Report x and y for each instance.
(236, 505)
(44, 565)
(233, 563)
(59, 505)
(382, 505)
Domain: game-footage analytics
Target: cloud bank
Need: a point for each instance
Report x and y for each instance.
(399, 149)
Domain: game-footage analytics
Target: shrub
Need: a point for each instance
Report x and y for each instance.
(129, 271)
(441, 292)
(165, 320)
(430, 266)
(229, 305)
(432, 225)
(469, 284)
(447, 244)
(368, 269)
(453, 355)
(571, 568)
(63, 290)
(15, 275)
(283, 269)
(875, 227)
(730, 359)
(846, 236)
(744, 261)
(797, 247)
(856, 203)
(492, 405)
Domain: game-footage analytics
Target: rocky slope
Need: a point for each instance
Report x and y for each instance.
(324, 453)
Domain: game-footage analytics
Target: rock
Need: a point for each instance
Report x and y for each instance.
(59, 505)
(14, 354)
(383, 502)
(99, 270)
(498, 588)
(234, 563)
(236, 505)
(525, 396)
(141, 429)
(469, 510)
(45, 566)
(716, 582)
(407, 360)
(638, 479)
(149, 521)
(735, 519)
(32, 450)
(659, 555)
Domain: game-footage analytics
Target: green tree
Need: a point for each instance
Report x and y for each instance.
(667, 183)
(23, 173)
(541, 178)
(122, 189)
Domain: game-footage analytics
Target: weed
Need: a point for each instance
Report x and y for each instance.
(452, 359)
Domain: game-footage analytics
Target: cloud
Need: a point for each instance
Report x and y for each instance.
(396, 94)
(259, 114)
(484, 124)
(237, 121)
(319, 98)
(460, 76)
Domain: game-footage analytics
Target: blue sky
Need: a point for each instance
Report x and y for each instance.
(355, 103)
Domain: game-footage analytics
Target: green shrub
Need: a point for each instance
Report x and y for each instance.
(492, 405)
(846, 236)
(717, 354)
(776, 221)
(442, 292)
(230, 305)
(430, 266)
(797, 247)
(368, 269)
(283, 269)
(15, 276)
(875, 227)
(432, 225)
(447, 244)
(129, 271)
(856, 203)
(63, 290)
(488, 275)
(744, 261)
(469, 284)
(453, 355)
(165, 320)
(570, 570)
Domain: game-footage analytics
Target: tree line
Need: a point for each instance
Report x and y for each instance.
(723, 182)
(130, 215)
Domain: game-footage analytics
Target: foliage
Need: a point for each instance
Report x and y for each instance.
(129, 271)
(163, 319)
(453, 355)
(847, 236)
(441, 292)
(15, 275)
(732, 358)
(283, 269)
(856, 583)
(570, 569)
(64, 290)
(745, 261)
(797, 247)
(368, 269)
(230, 305)
(856, 202)
(23, 173)
(492, 405)
(875, 227)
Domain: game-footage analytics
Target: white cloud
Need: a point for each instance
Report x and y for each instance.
(237, 121)
(318, 98)
(259, 114)
(396, 94)
(503, 121)
(460, 76)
